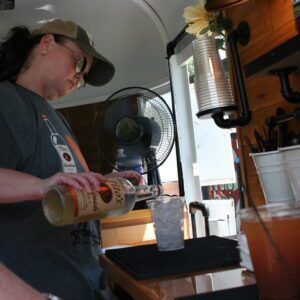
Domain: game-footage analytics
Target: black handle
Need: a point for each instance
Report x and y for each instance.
(193, 207)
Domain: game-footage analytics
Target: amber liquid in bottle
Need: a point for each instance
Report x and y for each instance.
(64, 205)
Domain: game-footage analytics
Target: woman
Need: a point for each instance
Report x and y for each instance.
(38, 150)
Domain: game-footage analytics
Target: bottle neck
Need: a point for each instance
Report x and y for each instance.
(147, 192)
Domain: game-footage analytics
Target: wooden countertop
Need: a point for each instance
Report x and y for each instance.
(170, 287)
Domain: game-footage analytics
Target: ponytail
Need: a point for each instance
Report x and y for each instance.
(14, 52)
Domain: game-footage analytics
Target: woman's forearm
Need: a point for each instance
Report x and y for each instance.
(17, 186)
(12, 287)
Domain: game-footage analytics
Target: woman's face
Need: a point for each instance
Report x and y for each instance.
(67, 64)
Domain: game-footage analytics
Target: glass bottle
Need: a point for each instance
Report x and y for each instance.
(64, 205)
(125, 163)
(120, 160)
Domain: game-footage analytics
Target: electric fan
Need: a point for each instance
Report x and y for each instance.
(139, 122)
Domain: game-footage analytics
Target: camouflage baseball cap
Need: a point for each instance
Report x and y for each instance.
(102, 70)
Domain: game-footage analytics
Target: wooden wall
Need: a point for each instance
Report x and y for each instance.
(271, 23)
(82, 120)
(85, 123)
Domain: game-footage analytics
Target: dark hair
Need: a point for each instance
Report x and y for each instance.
(15, 49)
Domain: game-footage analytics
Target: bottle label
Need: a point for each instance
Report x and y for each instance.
(110, 197)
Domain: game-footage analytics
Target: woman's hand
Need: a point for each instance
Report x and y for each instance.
(127, 174)
(88, 181)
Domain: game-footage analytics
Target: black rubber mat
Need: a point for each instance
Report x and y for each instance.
(248, 292)
(144, 262)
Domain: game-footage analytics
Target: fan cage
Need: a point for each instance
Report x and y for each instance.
(150, 105)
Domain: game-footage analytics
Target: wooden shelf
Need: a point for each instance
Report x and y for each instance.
(285, 55)
(132, 218)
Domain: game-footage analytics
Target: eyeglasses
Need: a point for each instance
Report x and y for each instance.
(79, 66)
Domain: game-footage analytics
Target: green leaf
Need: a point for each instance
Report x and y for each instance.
(213, 27)
(224, 22)
(218, 31)
(204, 30)
(220, 43)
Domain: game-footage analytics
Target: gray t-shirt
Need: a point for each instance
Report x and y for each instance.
(60, 260)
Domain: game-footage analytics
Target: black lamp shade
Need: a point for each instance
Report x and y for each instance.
(214, 5)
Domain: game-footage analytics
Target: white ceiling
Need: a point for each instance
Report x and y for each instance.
(133, 34)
